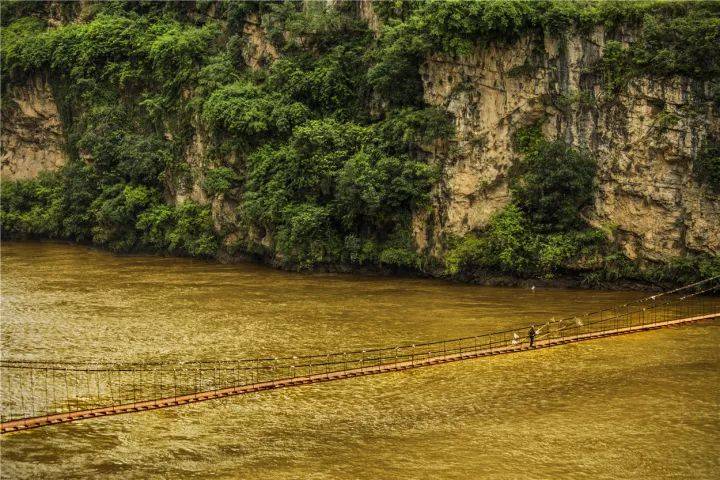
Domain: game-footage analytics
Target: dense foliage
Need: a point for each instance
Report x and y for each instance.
(317, 171)
(511, 244)
(113, 74)
(686, 45)
(678, 38)
(323, 143)
(707, 164)
(552, 182)
(542, 231)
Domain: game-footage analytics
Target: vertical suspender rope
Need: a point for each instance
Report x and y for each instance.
(47, 400)
(32, 390)
(67, 392)
(97, 384)
(22, 395)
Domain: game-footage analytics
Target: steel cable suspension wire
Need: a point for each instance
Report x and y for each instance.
(200, 371)
(558, 321)
(371, 360)
(129, 365)
(639, 301)
(654, 307)
(325, 364)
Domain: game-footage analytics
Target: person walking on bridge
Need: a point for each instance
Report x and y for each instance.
(531, 335)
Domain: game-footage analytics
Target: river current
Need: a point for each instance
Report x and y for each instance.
(636, 406)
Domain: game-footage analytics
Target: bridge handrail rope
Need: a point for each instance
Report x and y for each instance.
(654, 297)
(130, 365)
(669, 302)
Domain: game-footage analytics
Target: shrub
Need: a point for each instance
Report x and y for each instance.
(115, 212)
(707, 164)
(305, 236)
(154, 225)
(399, 257)
(683, 270)
(177, 51)
(331, 84)
(250, 115)
(559, 251)
(686, 45)
(24, 47)
(506, 245)
(406, 129)
(32, 207)
(185, 229)
(330, 176)
(220, 180)
(552, 183)
(193, 232)
(398, 249)
(510, 244)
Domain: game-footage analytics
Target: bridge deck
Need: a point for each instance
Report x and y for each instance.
(28, 423)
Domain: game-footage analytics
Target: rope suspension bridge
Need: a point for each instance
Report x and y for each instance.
(39, 393)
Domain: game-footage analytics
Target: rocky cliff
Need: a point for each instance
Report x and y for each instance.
(644, 139)
(32, 135)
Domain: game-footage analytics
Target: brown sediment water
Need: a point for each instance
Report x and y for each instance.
(640, 406)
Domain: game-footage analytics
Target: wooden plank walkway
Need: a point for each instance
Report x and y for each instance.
(28, 423)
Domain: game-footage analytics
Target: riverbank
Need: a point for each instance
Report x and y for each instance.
(621, 274)
(482, 278)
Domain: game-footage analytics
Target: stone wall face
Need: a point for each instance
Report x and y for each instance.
(32, 135)
(644, 140)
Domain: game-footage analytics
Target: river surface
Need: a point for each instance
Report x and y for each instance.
(636, 406)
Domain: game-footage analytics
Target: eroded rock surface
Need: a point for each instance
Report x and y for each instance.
(32, 134)
(645, 141)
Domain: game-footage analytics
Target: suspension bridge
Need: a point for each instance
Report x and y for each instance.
(38, 393)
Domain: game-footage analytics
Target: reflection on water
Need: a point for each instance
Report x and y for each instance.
(641, 406)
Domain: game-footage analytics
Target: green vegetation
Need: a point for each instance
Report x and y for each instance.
(707, 164)
(325, 178)
(668, 45)
(541, 232)
(323, 150)
(220, 180)
(512, 246)
(552, 183)
(119, 217)
(330, 181)
(678, 38)
(678, 271)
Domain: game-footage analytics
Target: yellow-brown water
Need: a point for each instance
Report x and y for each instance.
(639, 406)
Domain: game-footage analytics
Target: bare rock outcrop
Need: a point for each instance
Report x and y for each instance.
(32, 133)
(645, 141)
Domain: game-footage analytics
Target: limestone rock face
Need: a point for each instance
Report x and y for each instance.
(259, 52)
(645, 141)
(32, 134)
